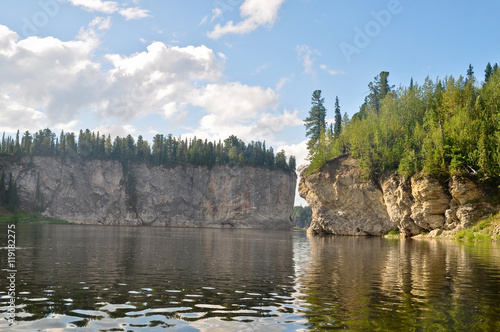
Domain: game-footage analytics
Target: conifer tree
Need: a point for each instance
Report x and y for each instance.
(487, 72)
(338, 118)
(470, 73)
(315, 123)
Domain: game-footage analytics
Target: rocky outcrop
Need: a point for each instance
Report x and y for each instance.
(104, 192)
(342, 203)
(345, 204)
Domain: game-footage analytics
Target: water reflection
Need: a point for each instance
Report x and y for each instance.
(377, 284)
(147, 279)
(122, 278)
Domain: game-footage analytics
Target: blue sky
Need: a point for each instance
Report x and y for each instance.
(221, 67)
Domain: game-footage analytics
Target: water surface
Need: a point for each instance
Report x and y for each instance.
(96, 278)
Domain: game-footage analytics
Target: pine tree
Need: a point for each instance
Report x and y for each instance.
(470, 73)
(292, 163)
(487, 72)
(338, 119)
(17, 149)
(315, 123)
(379, 88)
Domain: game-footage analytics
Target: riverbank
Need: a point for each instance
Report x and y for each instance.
(484, 230)
(22, 216)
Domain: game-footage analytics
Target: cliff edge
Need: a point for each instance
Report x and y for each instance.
(106, 192)
(344, 204)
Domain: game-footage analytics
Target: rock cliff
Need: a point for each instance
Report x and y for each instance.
(344, 204)
(103, 192)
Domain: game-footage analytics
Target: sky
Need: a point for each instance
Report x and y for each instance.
(217, 68)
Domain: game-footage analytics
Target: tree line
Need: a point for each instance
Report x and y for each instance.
(445, 127)
(301, 216)
(165, 150)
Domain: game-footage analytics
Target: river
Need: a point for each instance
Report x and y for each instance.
(98, 278)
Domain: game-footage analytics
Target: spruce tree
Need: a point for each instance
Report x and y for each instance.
(487, 72)
(338, 118)
(470, 73)
(315, 123)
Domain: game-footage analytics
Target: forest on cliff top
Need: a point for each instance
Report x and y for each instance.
(445, 127)
(166, 151)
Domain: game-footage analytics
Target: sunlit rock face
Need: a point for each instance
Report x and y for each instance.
(345, 204)
(104, 192)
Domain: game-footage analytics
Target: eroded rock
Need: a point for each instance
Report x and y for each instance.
(101, 192)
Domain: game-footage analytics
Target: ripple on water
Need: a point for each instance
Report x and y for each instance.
(145, 312)
(90, 313)
(172, 291)
(191, 315)
(38, 299)
(209, 306)
(113, 307)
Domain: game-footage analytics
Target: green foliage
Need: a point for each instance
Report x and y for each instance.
(447, 127)
(484, 230)
(338, 119)
(9, 198)
(166, 151)
(315, 123)
(301, 216)
(21, 216)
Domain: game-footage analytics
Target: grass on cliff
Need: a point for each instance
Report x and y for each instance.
(485, 230)
(22, 216)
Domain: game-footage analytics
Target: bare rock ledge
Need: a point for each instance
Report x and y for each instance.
(344, 204)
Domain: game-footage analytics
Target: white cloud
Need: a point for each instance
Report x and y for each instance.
(111, 7)
(49, 74)
(305, 56)
(115, 130)
(216, 13)
(49, 82)
(234, 101)
(134, 13)
(203, 20)
(255, 13)
(107, 7)
(283, 81)
(265, 127)
(331, 71)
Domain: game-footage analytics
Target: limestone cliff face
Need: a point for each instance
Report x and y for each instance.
(187, 196)
(344, 204)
